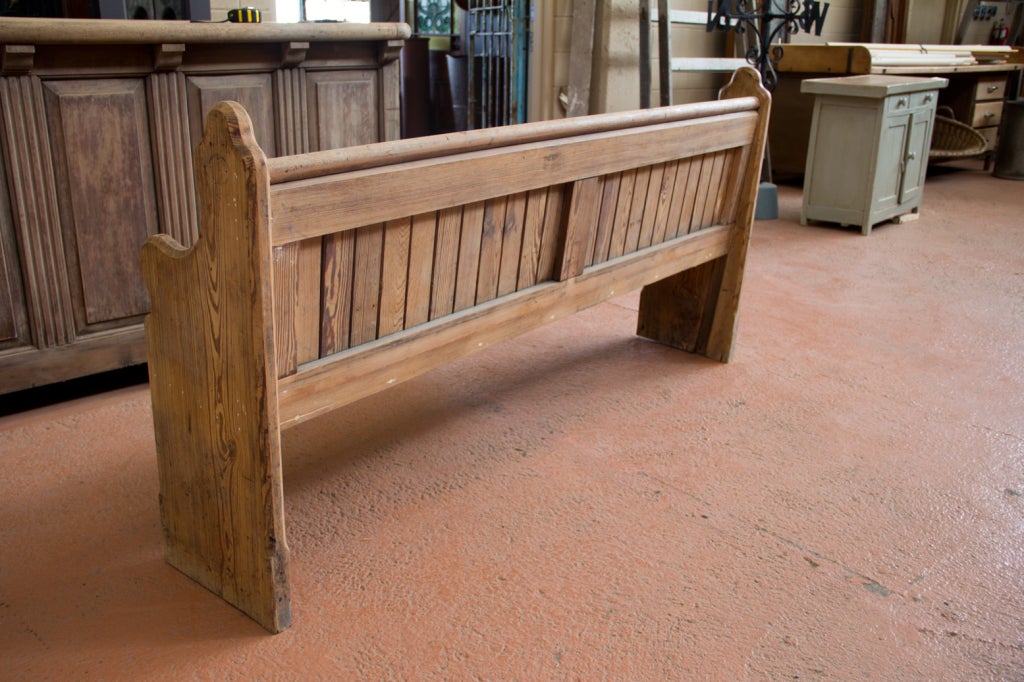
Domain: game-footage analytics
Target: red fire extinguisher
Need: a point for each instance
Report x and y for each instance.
(1000, 33)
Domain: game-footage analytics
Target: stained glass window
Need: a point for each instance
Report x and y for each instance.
(434, 17)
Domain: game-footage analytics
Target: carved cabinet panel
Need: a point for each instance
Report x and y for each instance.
(99, 132)
(97, 145)
(254, 91)
(343, 109)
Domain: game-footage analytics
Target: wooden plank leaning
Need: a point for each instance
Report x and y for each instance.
(308, 290)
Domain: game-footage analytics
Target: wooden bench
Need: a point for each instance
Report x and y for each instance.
(323, 278)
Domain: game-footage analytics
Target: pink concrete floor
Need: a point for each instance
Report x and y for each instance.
(842, 501)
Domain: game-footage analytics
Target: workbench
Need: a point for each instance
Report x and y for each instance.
(975, 93)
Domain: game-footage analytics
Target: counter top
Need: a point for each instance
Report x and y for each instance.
(873, 86)
(30, 31)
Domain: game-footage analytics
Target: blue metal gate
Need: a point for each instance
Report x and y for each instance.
(498, 40)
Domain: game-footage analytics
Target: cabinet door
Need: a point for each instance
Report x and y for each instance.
(343, 108)
(889, 169)
(254, 91)
(915, 158)
(104, 173)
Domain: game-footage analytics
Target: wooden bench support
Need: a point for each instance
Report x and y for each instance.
(213, 382)
(320, 279)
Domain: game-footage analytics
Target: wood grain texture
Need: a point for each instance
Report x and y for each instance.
(722, 333)
(34, 204)
(291, 114)
(421, 269)
(469, 255)
(623, 208)
(491, 240)
(309, 208)
(412, 277)
(360, 372)
(338, 263)
(581, 227)
(172, 157)
(366, 284)
(103, 230)
(342, 108)
(213, 382)
(533, 234)
(394, 276)
(446, 262)
(606, 217)
(511, 244)
(697, 310)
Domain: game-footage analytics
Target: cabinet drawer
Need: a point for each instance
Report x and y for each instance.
(990, 87)
(924, 99)
(913, 100)
(987, 114)
(990, 137)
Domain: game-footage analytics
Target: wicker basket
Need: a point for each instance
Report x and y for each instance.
(952, 139)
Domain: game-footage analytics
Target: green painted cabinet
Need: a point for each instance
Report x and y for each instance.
(868, 148)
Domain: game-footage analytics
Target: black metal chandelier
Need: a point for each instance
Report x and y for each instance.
(766, 20)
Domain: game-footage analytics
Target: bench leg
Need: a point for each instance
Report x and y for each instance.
(678, 311)
(213, 382)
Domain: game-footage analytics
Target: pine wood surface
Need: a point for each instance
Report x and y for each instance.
(307, 294)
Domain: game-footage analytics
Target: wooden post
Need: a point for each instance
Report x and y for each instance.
(581, 57)
(664, 54)
(645, 54)
(696, 310)
(213, 380)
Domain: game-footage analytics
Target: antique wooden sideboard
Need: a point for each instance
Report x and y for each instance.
(98, 122)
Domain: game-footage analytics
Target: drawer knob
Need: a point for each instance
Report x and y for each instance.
(989, 114)
(927, 98)
(901, 102)
(911, 156)
(993, 88)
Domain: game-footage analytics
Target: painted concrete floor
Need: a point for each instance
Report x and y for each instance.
(843, 501)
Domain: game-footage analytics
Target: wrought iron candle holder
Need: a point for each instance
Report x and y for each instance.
(767, 21)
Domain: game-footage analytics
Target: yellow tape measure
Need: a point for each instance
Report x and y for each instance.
(245, 15)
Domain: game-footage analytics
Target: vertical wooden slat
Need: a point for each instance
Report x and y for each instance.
(469, 255)
(297, 286)
(533, 232)
(554, 222)
(636, 210)
(668, 186)
(692, 192)
(620, 225)
(421, 265)
(651, 205)
(581, 226)
(512, 244)
(675, 226)
(336, 291)
(307, 309)
(394, 276)
(286, 292)
(446, 262)
(366, 283)
(606, 218)
(714, 190)
(490, 249)
(735, 163)
(703, 186)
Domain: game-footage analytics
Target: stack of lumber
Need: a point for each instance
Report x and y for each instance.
(889, 54)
